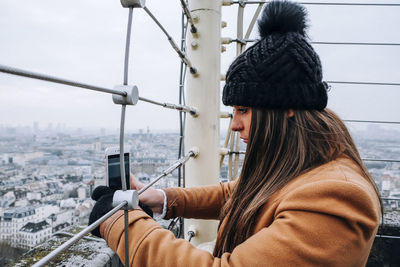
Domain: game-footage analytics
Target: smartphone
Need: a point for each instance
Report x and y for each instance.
(113, 170)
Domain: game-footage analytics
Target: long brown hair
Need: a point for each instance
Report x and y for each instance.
(279, 149)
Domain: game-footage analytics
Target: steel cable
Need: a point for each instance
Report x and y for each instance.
(365, 121)
(173, 167)
(241, 2)
(189, 16)
(381, 160)
(179, 107)
(246, 40)
(172, 42)
(48, 78)
(364, 83)
(43, 77)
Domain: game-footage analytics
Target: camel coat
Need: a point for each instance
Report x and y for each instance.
(326, 217)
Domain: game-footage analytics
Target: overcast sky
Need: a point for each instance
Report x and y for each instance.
(84, 41)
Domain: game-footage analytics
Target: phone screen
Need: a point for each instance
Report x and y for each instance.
(114, 171)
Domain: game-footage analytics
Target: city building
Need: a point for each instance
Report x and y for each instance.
(33, 234)
(14, 219)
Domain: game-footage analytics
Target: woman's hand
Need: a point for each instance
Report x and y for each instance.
(151, 197)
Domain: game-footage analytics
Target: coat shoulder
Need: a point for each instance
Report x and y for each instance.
(340, 172)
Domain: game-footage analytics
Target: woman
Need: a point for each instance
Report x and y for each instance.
(304, 197)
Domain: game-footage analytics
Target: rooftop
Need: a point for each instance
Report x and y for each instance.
(19, 212)
(35, 227)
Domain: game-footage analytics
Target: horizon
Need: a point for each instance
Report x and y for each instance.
(380, 130)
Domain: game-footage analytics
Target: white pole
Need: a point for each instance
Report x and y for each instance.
(203, 93)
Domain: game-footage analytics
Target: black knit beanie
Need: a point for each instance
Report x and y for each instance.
(282, 70)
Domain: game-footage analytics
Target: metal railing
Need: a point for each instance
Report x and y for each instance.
(123, 101)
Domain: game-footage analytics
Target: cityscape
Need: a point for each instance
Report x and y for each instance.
(47, 174)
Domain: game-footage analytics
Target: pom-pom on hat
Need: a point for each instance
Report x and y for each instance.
(282, 70)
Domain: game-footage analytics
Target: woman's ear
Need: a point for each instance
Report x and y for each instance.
(290, 113)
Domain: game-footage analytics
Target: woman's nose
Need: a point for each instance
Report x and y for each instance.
(236, 124)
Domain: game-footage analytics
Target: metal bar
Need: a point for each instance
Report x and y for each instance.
(127, 45)
(190, 234)
(390, 198)
(43, 77)
(126, 232)
(239, 33)
(174, 166)
(172, 42)
(221, 160)
(230, 161)
(182, 115)
(236, 162)
(77, 237)
(180, 96)
(156, 21)
(185, 8)
(236, 152)
(382, 160)
(388, 236)
(253, 21)
(179, 107)
(225, 115)
(364, 83)
(123, 181)
(122, 131)
(246, 40)
(356, 43)
(348, 4)
(388, 122)
(319, 3)
(123, 108)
